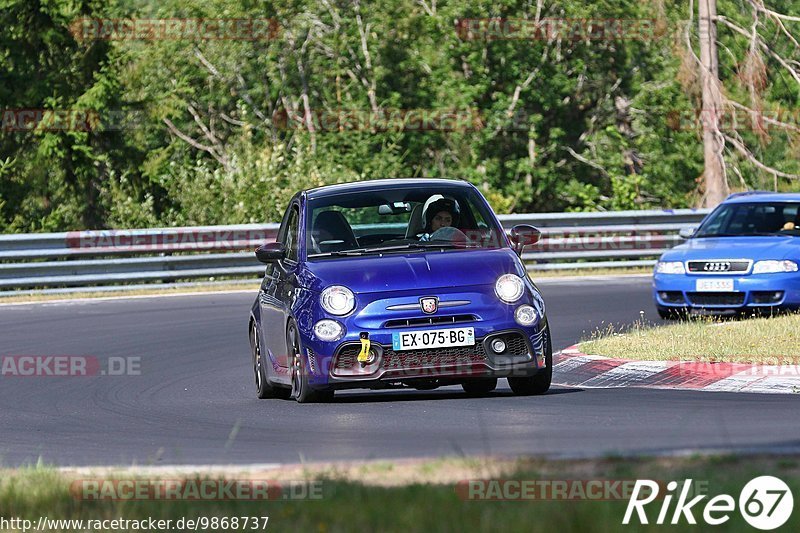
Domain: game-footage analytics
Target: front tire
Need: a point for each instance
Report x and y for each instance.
(301, 390)
(540, 382)
(263, 389)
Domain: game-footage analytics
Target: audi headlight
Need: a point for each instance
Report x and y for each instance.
(337, 300)
(772, 267)
(328, 330)
(509, 288)
(670, 267)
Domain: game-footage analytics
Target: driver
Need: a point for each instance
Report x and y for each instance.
(442, 213)
(441, 218)
(789, 226)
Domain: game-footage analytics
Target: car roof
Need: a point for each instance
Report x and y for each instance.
(761, 196)
(393, 183)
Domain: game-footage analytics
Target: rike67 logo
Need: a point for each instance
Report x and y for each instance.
(765, 503)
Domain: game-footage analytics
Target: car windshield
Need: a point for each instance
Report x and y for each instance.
(752, 219)
(399, 220)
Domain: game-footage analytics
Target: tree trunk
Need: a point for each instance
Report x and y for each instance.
(714, 171)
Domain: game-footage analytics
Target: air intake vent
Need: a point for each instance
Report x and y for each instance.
(716, 299)
(429, 321)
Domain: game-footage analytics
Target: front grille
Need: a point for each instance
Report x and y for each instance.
(515, 344)
(347, 357)
(429, 320)
(434, 357)
(429, 357)
(671, 297)
(716, 298)
(312, 361)
(721, 266)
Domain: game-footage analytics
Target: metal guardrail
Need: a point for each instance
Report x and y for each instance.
(109, 257)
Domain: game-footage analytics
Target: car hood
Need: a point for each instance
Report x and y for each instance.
(736, 248)
(419, 270)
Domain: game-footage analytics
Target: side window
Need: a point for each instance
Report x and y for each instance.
(790, 213)
(292, 229)
(722, 220)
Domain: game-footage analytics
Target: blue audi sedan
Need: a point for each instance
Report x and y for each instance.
(397, 283)
(743, 257)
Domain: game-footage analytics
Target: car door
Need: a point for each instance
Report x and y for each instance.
(278, 289)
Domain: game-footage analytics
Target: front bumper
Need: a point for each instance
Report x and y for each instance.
(383, 314)
(457, 363)
(753, 291)
(337, 367)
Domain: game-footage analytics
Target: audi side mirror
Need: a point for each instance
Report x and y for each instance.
(687, 233)
(270, 252)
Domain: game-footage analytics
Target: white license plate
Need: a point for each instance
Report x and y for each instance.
(714, 285)
(436, 338)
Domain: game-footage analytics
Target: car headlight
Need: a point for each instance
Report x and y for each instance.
(328, 330)
(525, 315)
(670, 267)
(772, 267)
(509, 288)
(337, 300)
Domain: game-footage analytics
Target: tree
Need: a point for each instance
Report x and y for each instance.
(743, 110)
(716, 189)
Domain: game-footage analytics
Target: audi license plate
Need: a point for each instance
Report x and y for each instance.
(440, 338)
(714, 285)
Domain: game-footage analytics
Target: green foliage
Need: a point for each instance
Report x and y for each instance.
(213, 130)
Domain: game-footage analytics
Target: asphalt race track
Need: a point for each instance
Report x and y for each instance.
(193, 402)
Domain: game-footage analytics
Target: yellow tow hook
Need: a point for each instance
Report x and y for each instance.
(364, 355)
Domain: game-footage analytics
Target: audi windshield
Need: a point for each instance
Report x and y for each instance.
(752, 219)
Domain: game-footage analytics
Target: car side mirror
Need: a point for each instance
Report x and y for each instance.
(271, 252)
(687, 233)
(523, 235)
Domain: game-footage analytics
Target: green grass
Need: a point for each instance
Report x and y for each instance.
(349, 505)
(773, 340)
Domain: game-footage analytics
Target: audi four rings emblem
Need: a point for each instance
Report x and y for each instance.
(719, 266)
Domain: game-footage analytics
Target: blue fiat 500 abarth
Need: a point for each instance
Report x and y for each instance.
(392, 283)
(743, 257)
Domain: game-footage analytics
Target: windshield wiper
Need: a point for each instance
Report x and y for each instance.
(442, 244)
(755, 234)
(397, 248)
(353, 252)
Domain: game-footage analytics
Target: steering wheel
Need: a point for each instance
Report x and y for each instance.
(449, 233)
